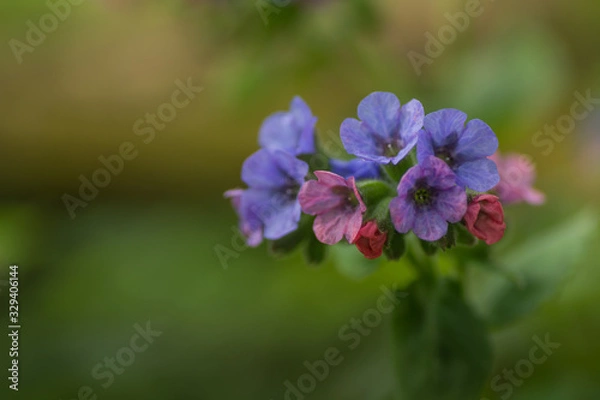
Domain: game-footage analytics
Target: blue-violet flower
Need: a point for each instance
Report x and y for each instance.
(386, 132)
(269, 207)
(464, 148)
(292, 131)
(428, 198)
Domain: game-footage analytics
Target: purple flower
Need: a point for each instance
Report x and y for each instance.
(517, 175)
(292, 131)
(386, 131)
(428, 198)
(464, 148)
(358, 168)
(250, 226)
(336, 203)
(269, 207)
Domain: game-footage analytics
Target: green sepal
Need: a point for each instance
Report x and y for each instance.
(448, 241)
(395, 246)
(430, 248)
(374, 191)
(463, 236)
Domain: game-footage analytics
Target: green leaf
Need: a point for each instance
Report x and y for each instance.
(540, 266)
(351, 263)
(448, 241)
(315, 251)
(441, 348)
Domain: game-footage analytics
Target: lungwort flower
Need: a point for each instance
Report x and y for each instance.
(517, 175)
(386, 131)
(292, 131)
(464, 148)
(337, 204)
(269, 207)
(428, 198)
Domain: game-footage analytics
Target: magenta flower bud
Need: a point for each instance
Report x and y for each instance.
(370, 240)
(485, 218)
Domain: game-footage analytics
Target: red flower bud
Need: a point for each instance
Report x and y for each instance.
(485, 218)
(370, 240)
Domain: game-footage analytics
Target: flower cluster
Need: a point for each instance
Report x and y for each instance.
(428, 174)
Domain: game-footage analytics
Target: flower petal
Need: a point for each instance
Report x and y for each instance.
(430, 226)
(480, 175)
(273, 169)
(379, 111)
(443, 123)
(283, 221)
(424, 146)
(437, 173)
(477, 141)
(316, 197)
(291, 131)
(534, 196)
(353, 224)
(451, 204)
(330, 179)
(403, 214)
(278, 213)
(358, 140)
(411, 119)
(329, 227)
(305, 122)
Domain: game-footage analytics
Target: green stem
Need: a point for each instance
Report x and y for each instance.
(397, 171)
(422, 262)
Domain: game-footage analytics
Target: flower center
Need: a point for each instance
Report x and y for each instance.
(422, 197)
(392, 147)
(445, 155)
(346, 196)
(291, 192)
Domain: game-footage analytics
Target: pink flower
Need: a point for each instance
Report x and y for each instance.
(485, 218)
(370, 240)
(517, 175)
(336, 203)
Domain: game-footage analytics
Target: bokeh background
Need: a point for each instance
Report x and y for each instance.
(144, 248)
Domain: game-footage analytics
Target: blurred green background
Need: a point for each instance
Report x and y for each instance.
(144, 248)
